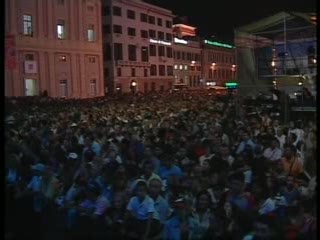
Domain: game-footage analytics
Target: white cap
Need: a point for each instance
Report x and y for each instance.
(73, 156)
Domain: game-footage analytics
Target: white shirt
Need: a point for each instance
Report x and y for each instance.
(272, 155)
(282, 140)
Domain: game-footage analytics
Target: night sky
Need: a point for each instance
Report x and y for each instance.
(220, 17)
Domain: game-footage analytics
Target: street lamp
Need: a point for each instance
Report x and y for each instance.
(300, 83)
(133, 86)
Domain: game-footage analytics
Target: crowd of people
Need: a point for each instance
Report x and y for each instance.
(172, 166)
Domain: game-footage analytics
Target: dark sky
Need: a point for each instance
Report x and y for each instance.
(220, 17)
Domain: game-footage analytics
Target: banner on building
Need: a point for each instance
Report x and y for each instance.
(10, 52)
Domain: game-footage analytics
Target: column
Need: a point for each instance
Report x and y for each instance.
(52, 76)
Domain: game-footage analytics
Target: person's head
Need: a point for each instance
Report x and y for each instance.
(148, 152)
(276, 123)
(290, 182)
(148, 168)
(180, 207)
(118, 201)
(245, 135)
(289, 151)
(167, 161)
(274, 143)
(203, 201)
(155, 186)
(158, 151)
(141, 189)
(182, 153)
(237, 183)
(224, 150)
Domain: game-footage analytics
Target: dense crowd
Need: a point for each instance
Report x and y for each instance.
(161, 166)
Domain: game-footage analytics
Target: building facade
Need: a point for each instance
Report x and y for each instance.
(187, 63)
(138, 46)
(54, 46)
(218, 63)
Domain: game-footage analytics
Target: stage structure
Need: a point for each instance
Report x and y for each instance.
(277, 52)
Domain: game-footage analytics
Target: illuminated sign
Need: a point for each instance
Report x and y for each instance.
(178, 40)
(160, 42)
(218, 44)
(231, 85)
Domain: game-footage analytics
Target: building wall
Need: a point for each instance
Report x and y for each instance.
(218, 64)
(112, 66)
(187, 64)
(72, 60)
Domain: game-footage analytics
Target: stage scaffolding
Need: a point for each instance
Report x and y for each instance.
(277, 52)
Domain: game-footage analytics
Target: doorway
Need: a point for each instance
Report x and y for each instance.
(31, 87)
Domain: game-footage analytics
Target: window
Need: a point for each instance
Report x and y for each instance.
(153, 50)
(169, 71)
(180, 67)
(119, 72)
(185, 67)
(168, 24)
(106, 29)
(29, 57)
(117, 11)
(27, 25)
(90, 8)
(153, 86)
(153, 70)
(144, 34)
(63, 88)
(144, 54)
(62, 58)
(133, 72)
(189, 56)
(92, 59)
(131, 31)
(117, 29)
(159, 21)
(162, 70)
(107, 52)
(118, 54)
(182, 55)
(93, 87)
(106, 11)
(161, 35)
(197, 57)
(145, 72)
(91, 33)
(60, 2)
(178, 54)
(151, 19)
(169, 37)
(169, 52)
(106, 72)
(132, 53)
(161, 51)
(176, 66)
(61, 30)
(143, 17)
(152, 33)
(131, 14)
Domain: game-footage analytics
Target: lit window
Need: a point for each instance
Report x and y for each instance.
(63, 58)
(181, 67)
(93, 87)
(185, 67)
(91, 33)
(63, 88)
(61, 30)
(175, 66)
(27, 25)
